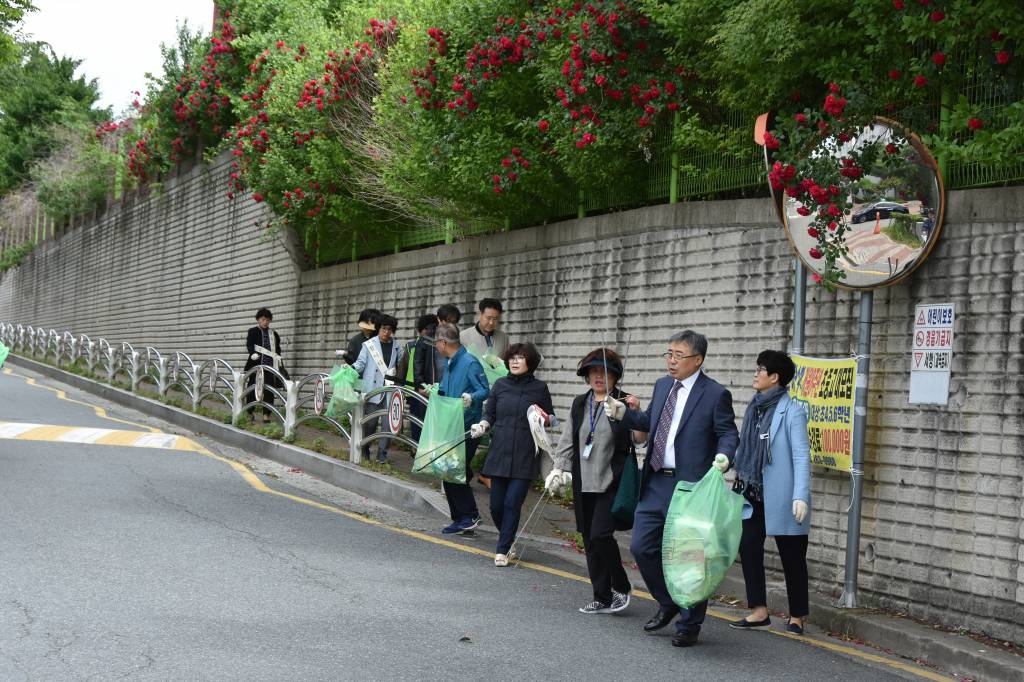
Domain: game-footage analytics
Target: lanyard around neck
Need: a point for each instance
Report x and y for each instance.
(592, 413)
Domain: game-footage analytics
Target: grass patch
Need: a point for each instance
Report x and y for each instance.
(903, 229)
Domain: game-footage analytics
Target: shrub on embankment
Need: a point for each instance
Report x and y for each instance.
(367, 127)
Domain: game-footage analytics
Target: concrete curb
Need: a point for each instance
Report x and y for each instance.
(951, 652)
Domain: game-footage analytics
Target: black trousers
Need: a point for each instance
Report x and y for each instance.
(268, 396)
(461, 502)
(604, 561)
(792, 550)
(419, 410)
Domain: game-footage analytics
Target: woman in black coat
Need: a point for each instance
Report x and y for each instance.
(262, 335)
(512, 462)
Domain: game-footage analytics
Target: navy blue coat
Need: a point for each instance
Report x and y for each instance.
(707, 426)
(512, 453)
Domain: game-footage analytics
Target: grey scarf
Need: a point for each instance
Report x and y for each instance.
(754, 451)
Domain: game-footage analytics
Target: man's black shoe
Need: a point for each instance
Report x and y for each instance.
(687, 638)
(662, 618)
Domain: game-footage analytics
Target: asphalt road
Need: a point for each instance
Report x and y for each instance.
(145, 564)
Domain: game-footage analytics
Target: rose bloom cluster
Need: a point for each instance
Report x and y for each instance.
(344, 75)
(608, 64)
(819, 200)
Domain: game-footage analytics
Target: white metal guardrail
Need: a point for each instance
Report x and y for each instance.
(297, 401)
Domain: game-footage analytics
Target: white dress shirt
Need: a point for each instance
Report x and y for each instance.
(684, 393)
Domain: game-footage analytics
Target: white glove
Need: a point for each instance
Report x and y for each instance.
(799, 510)
(467, 400)
(254, 356)
(478, 430)
(722, 463)
(557, 480)
(614, 409)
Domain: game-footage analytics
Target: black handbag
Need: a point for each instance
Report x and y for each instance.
(628, 494)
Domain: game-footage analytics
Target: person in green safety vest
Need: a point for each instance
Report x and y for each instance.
(421, 345)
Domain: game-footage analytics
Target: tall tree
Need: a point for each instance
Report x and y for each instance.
(11, 14)
(37, 92)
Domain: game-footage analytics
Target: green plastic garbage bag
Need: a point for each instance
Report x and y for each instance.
(702, 535)
(494, 367)
(441, 452)
(346, 384)
(4, 350)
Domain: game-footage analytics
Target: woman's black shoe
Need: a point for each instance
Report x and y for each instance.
(662, 618)
(794, 628)
(744, 624)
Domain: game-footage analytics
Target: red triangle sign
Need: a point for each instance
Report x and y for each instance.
(917, 359)
(920, 318)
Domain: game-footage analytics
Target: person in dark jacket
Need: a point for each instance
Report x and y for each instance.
(420, 347)
(513, 462)
(263, 336)
(367, 330)
(692, 428)
(430, 364)
(596, 450)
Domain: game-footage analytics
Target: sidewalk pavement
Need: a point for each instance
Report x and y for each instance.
(553, 530)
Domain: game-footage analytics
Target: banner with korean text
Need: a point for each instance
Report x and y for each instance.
(826, 389)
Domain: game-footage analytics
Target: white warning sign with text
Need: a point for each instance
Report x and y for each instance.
(931, 353)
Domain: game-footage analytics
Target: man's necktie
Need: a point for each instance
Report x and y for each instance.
(664, 426)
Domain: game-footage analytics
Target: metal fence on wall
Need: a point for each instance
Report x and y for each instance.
(295, 402)
(661, 178)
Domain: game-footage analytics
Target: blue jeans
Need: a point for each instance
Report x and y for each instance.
(648, 528)
(507, 496)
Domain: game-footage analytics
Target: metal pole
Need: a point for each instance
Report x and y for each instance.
(355, 441)
(944, 112)
(799, 307)
(673, 180)
(860, 421)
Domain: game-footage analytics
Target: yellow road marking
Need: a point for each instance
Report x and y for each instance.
(94, 436)
(259, 485)
(43, 432)
(100, 412)
(249, 477)
(119, 438)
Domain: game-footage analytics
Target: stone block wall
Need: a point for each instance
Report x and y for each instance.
(943, 519)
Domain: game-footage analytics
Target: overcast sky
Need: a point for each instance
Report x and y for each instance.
(118, 41)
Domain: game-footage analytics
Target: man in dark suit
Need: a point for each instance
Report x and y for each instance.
(692, 427)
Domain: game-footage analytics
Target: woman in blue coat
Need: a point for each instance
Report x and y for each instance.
(773, 471)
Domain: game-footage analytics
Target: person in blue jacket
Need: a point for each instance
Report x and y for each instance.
(773, 471)
(463, 377)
